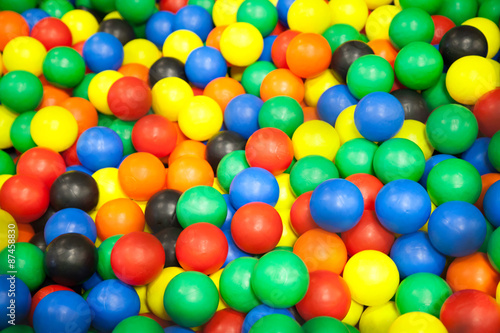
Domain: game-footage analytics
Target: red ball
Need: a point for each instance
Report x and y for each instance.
(441, 26)
(129, 98)
(225, 321)
(369, 186)
(172, 5)
(40, 294)
(271, 149)
(25, 198)
(327, 295)
(201, 247)
(256, 228)
(137, 258)
(154, 134)
(470, 311)
(300, 214)
(486, 112)
(52, 32)
(278, 50)
(42, 163)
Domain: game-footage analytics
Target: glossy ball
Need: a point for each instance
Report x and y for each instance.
(241, 114)
(254, 184)
(121, 29)
(235, 286)
(333, 101)
(275, 323)
(204, 65)
(308, 55)
(345, 55)
(221, 144)
(201, 118)
(166, 67)
(241, 44)
(355, 156)
(483, 111)
(160, 210)
(325, 324)
(99, 147)
(24, 53)
(42, 163)
(281, 112)
(489, 204)
(154, 134)
(20, 91)
(409, 321)
(102, 52)
(315, 137)
(260, 14)
(118, 216)
(136, 323)
(201, 204)
(70, 220)
(63, 67)
(226, 320)
(411, 25)
(361, 82)
(159, 26)
(413, 103)
(129, 98)
(309, 16)
(136, 12)
(195, 19)
(462, 41)
(259, 312)
(309, 172)
(282, 82)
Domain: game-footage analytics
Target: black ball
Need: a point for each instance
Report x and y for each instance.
(166, 67)
(168, 239)
(221, 144)
(38, 240)
(345, 55)
(121, 29)
(462, 41)
(39, 224)
(413, 104)
(74, 189)
(70, 259)
(160, 210)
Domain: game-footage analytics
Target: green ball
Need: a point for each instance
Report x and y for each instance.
(493, 249)
(262, 14)
(422, 292)
(7, 166)
(254, 74)
(82, 89)
(124, 131)
(451, 129)
(229, 166)
(430, 6)
(437, 95)
(56, 8)
(140, 29)
(136, 324)
(309, 172)
(369, 73)
(18, 6)
(104, 254)
(418, 65)
(105, 119)
(489, 231)
(18, 329)
(363, 38)
(411, 25)
(340, 33)
(207, 4)
(398, 159)
(494, 151)
(459, 11)
(276, 323)
(20, 91)
(235, 286)
(105, 6)
(64, 67)
(29, 263)
(84, 3)
(191, 299)
(351, 329)
(355, 156)
(20, 134)
(491, 10)
(325, 325)
(201, 204)
(280, 279)
(454, 180)
(135, 11)
(281, 112)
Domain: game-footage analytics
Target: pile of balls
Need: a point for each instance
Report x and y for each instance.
(255, 166)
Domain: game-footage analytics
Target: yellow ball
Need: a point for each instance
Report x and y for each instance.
(490, 30)
(224, 12)
(372, 4)
(54, 127)
(24, 53)
(141, 292)
(169, 96)
(113, 15)
(8, 226)
(141, 51)
(108, 185)
(241, 44)
(378, 319)
(216, 185)
(236, 72)
(414, 130)
(7, 118)
(215, 277)
(179, 44)
(286, 198)
(98, 241)
(417, 322)
(309, 16)
(316, 86)
(81, 23)
(372, 277)
(156, 289)
(99, 87)
(315, 137)
(200, 118)
(345, 126)
(496, 67)
(352, 12)
(469, 78)
(378, 22)
(355, 311)
(288, 237)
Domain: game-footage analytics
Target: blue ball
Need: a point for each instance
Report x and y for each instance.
(431, 163)
(94, 280)
(254, 185)
(477, 155)
(403, 206)
(110, 302)
(79, 168)
(204, 65)
(333, 101)
(177, 329)
(414, 253)
(103, 51)
(261, 311)
(283, 6)
(159, 26)
(99, 147)
(457, 228)
(242, 114)
(336, 205)
(62, 309)
(230, 213)
(70, 220)
(379, 116)
(15, 301)
(194, 18)
(491, 204)
(233, 251)
(34, 15)
(266, 52)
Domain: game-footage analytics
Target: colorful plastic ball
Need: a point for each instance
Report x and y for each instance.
(119, 28)
(254, 75)
(442, 25)
(282, 82)
(375, 288)
(138, 323)
(15, 305)
(378, 318)
(103, 51)
(333, 101)
(462, 41)
(195, 19)
(477, 155)
(201, 118)
(315, 137)
(275, 323)
(159, 26)
(56, 8)
(431, 163)
(81, 23)
(485, 115)
(241, 114)
(7, 119)
(99, 147)
(230, 166)
(325, 324)
(309, 172)
(281, 112)
(136, 12)
(98, 89)
(24, 53)
(186, 172)
(235, 287)
(490, 31)
(70, 220)
(141, 51)
(191, 299)
(279, 47)
(172, 6)
(41, 163)
(52, 32)
(124, 130)
(241, 44)
(414, 321)
(221, 144)
(346, 126)
(309, 16)
(270, 149)
(379, 77)
(261, 14)
(490, 203)
(224, 12)
(315, 87)
(201, 204)
(154, 134)
(353, 13)
(7, 166)
(204, 65)
(168, 237)
(223, 90)
(20, 91)
(129, 98)
(379, 21)
(169, 95)
(226, 320)
(63, 67)
(345, 55)
(414, 105)
(28, 263)
(411, 25)
(308, 55)
(355, 156)
(179, 44)
(156, 289)
(13, 25)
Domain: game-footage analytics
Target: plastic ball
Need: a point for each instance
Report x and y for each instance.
(345, 55)
(161, 210)
(7, 164)
(355, 156)
(136, 323)
(179, 44)
(20, 135)
(169, 95)
(159, 26)
(81, 23)
(353, 13)
(261, 14)
(103, 51)
(201, 204)
(136, 12)
(309, 172)
(309, 16)
(221, 144)
(224, 12)
(144, 169)
(462, 41)
(490, 202)
(241, 115)
(254, 184)
(241, 44)
(414, 105)
(70, 220)
(24, 53)
(129, 98)
(52, 32)
(201, 118)
(120, 29)
(315, 137)
(378, 318)
(442, 25)
(63, 67)
(99, 147)
(7, 119)
(325, 324)
(279, 47)
(411, 25)
(477, 155)
(16, 305)
(195, 19)
(223, 90)
(485, 115)
(275, 323)
(282, 82)
(168, 237)
(226, 320)
(141, 51)
(13, 25)
(230, 166)
(156, 289)
(490, 31)
(408, 322)
(361, 82)
(108, 185)
(154, 134)
(41, 163)
(186, 172)
(311, 49)
(99, 87)
(20, 91)
(379, 22)
(204, 65)
(254, 75)
(235, 287)
(333, 101)
(270, 149)
(28, 264)
(314, 87)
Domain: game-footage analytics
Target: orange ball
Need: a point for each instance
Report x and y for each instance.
(282, 82)
(180, 136)
(186, 172)
(52, 96)
(213, 39)
(384, 49)
(119, 217)
(188, 148)
(141, 175)
(83, 111)
(321, 250)
(310, 113)
(135, 70)
(487, 180)
(308, 55)
(25, 232)
(223, 90)
(12, 25)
